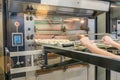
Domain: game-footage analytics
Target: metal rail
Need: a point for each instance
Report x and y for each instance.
(95, 59)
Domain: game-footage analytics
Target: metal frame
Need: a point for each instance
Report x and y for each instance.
(105, 62)
(108, 29)
(5, 23)
(95, 59)
(26, 53)
(62, 64)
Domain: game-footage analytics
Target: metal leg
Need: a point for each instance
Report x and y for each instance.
(25, 78)
(108, 74)
(96, 73)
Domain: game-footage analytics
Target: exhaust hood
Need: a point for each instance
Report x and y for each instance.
(82, 8)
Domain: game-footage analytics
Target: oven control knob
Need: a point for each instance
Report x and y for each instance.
(29, 29)
(31, 36)
(31, 18)
(118, 34)
(27, 37)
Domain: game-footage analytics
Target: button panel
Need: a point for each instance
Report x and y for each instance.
(29, 31)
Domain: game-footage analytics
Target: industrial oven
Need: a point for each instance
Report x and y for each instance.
(31, 24)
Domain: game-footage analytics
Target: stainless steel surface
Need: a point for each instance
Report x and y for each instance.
(29, 31)
(29, 39)
(63, 7)
(79, 4)
(34, 55)
(24, 53)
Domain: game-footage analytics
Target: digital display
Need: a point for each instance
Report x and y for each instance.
(17, 39)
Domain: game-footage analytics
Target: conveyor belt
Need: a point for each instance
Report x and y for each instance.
(95, 59)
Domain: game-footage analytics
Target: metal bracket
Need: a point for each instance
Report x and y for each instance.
(62, 64)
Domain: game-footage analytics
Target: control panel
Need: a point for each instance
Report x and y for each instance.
(29, 31)
(29, 36)
(17, 39)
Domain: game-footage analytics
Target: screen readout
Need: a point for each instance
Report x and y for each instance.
(17, 39)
